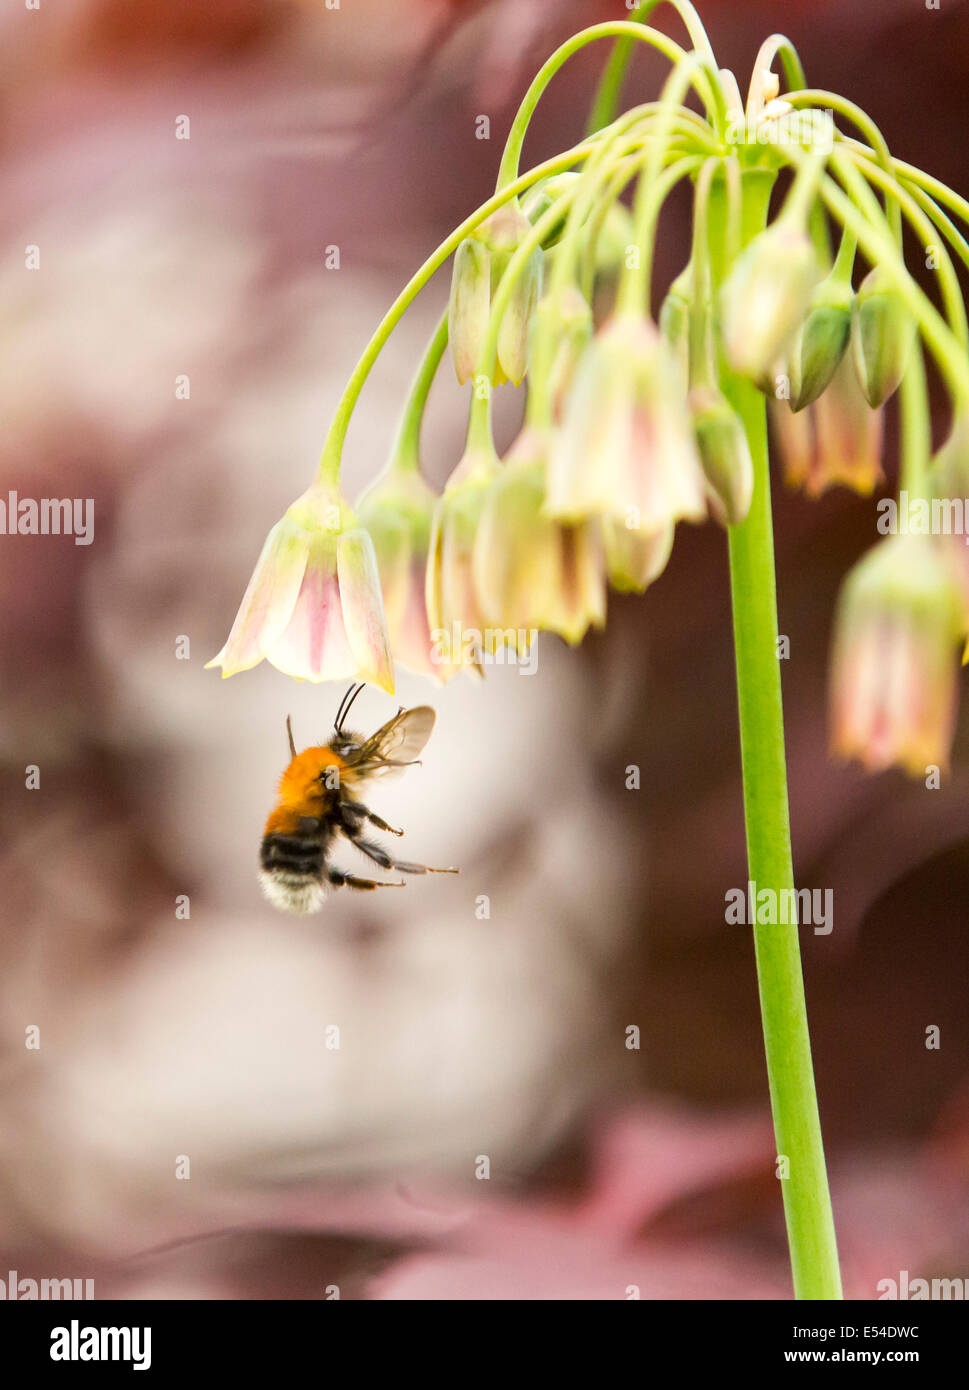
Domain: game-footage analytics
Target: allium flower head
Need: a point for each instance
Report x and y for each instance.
(893, 679)
(530, 571)
(313, 607)
(766, 296)
(625, 449)
(397, 513)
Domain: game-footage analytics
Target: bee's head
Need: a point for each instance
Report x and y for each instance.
(344, 744)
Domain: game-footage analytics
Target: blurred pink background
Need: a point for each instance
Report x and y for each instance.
(462, 1036)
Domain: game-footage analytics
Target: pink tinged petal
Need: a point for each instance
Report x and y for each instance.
(268, 603)
(412, 641)
(589, 453)
(363, 609)
(665, 481)
(314, 646)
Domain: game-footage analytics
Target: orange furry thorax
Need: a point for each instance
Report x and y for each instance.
(301, 790)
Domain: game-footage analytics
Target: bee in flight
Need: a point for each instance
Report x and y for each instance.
(319, 799)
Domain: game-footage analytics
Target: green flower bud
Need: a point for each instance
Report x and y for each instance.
(479, 263)
(615, 238)
(724, 453)
(882, 334)
(539, 199)
(469, 305)
(765, 297)
(516, 320)
(949, 471)
(820, 342)
(674, 320)
(635, 558)
(565, 320)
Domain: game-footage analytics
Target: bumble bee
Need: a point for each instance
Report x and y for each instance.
(319, 799)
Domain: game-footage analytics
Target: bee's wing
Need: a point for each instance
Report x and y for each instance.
(398, 743)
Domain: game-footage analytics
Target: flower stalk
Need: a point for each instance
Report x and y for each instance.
(797, 1128)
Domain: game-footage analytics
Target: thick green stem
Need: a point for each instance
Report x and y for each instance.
(797, 1128)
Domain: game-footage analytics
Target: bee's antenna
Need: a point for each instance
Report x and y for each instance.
(346, 704)
(339, 713)
(289, 730)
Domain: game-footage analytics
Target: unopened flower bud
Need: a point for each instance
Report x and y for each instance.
(949, 470)
(469, 305)
(479, 263)
(820, 342)
(724, 453)
(635, 558)
(674, 321)
(765, 297)
(564, 320)
(882, 335)
(614, 240)
(540, 199)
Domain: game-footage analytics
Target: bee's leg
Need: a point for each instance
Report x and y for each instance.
(357, 809)
(380, 856)
(339, 880)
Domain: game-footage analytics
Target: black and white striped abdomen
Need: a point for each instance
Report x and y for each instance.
(291, 870)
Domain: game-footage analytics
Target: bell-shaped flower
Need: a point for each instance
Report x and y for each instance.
(479, 263)
(882, 335)
(313, 607)
(532, 572)
(397, 512)
(894, 673)
(836, 439)
(454, 614)
(626, 448)
(766, 296)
